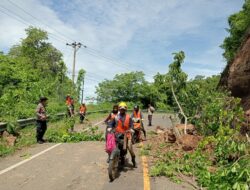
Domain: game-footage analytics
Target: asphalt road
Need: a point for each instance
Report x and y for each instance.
(76, 166)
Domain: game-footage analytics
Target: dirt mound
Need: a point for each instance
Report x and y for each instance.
(9, 138)
(189, 142)
(165, 140)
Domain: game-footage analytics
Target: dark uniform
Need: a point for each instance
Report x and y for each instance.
(41, 122)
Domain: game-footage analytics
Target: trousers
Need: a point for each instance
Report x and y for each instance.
(40, 129)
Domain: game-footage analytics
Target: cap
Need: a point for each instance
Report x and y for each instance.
(43, 99)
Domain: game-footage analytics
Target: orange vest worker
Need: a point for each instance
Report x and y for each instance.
(137, 115)
(83, 109)
(123, 126)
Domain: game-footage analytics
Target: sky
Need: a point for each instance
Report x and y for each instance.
(125, 35)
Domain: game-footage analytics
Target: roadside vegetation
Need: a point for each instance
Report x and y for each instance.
(219, 154)
(58, 132)
(64, 132)
(216, 155)
(32, 69)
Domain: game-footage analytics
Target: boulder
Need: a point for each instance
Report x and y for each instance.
(11, 140)
(236, 76)
(169, 136)
(189, 142)
(159, 130)
(5, 134)
(190, 128)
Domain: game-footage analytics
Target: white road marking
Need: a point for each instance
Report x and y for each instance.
(36, 155)
(31, 158)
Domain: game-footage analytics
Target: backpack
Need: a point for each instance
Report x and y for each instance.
(110, 143)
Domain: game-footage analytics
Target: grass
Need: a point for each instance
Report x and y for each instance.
(57, 132)
(145, 151)
(151, 133)
(96, 116)
(26, 138)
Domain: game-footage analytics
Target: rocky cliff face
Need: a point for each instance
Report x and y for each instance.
(236, 76)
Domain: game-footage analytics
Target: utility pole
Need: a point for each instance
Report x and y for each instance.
(76, 46)
(82, 91)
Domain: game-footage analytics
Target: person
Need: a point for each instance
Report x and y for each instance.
(112, 115)
(69, 105)
(121, 124)
(82, 112)
(137, 114)
(108, 120)
(151, 110)
(41, 120)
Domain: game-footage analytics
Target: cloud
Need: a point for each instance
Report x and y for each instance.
(141, 35)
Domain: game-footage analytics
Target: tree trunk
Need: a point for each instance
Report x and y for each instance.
(180, 108)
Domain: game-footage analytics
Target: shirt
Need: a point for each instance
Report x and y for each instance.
(41, 112)
(151, 110)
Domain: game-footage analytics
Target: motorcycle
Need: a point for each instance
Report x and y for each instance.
(137, 126)
(118, 153)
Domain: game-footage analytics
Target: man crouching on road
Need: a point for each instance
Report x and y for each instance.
(123, 123)
(41, 120)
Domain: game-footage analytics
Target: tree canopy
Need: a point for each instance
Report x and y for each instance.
(32, 69)
(239, 24)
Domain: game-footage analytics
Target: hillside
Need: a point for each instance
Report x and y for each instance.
(236, 76)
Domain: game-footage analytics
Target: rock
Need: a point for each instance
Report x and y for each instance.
(171, 138)
(159, 130)
(189, 142)
(187, 148)
(5, 134)
(247, 115)
(190, 128)
(236, 75)
(11, 140)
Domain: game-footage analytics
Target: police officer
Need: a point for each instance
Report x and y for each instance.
(41, 120)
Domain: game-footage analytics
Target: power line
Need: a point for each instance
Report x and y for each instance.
(106, 60)
(92, 51)
(23, 21)
(21, 8)
(88, 77)
(113, 61)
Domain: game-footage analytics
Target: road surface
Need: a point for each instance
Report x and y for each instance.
(76, 166)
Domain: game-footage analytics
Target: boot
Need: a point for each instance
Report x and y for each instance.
(108, 158)
(122, 161)
(133, 161)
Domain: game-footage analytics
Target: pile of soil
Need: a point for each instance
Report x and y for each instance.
(9, 138)
(165, 140)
